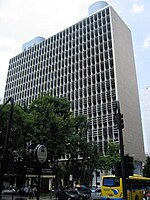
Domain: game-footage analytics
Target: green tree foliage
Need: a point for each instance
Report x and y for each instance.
(107, 162)
(48, 121)
(60, 131)
(21, 125)
(52, 123)
(146, 170)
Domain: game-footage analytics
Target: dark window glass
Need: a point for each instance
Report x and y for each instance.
(112, 182)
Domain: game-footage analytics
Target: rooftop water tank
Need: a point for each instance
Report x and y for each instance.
(31, 43)
(96, 6)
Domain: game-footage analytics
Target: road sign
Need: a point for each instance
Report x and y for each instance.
(41, 153)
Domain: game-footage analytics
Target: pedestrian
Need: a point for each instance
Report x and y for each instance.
(30, 192)
(34, 191)
(26, 191)
(21, 191)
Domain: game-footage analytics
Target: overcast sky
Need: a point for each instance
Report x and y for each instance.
(22, 20)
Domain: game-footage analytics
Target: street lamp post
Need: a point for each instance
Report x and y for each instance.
(71, 176)
(56, 171)
(4, 160)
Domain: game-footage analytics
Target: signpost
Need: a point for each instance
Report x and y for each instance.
(40, 155)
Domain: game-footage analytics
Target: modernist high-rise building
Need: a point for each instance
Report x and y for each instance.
(92, 64)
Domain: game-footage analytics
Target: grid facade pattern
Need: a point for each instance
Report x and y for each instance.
(78, 64)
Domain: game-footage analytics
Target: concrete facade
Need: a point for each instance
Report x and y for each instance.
(127, 89)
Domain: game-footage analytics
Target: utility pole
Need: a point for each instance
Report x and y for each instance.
(120, 126)
(4, 160)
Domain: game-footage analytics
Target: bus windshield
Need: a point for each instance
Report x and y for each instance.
(111, 182)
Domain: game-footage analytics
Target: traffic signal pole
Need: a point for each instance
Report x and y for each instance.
(120, 125)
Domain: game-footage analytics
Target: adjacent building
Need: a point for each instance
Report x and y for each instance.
(91, 63)
(145, 107)
(1, 100)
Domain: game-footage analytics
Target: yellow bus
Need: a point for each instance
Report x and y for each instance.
(112, 187)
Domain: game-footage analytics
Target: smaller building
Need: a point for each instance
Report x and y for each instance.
(145, 109)
(1, 100)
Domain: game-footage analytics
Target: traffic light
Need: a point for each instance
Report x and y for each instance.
(129, 165)
(118, 119)
(122, 122)
(118, 169)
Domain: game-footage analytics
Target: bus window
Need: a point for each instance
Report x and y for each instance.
(111, 182)
(117, 182)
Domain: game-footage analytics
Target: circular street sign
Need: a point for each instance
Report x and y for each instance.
(41, 153)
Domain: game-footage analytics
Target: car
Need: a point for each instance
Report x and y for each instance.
(81, 195)
(96, 194)
(8, 191)
(66, 195)
(86, 191)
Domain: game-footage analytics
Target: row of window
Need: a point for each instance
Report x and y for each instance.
(64, 37)
(74, 54)
(82, 78)
(24, 90)
(103, 139)
(75, 46)
(96, 63)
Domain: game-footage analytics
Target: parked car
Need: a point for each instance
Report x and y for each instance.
(96, 194)
(86, 191)
(81, 195)
(66, 195)
(7, 191)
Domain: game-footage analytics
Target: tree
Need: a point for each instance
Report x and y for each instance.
(48, 121)
(82, 160)
(107, 162)
(146, 170)
(56, 127)
(21, 125)
(52, 123)
(17, 139)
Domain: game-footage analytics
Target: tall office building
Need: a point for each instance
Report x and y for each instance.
(92, 64)
(145, 107)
